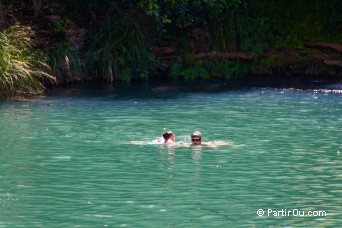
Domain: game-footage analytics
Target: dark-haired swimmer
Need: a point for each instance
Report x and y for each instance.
(168, 138)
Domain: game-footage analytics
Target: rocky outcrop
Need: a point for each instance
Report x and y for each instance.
(332, 46)
(233, 55)
(74, 34)
(328, 59)
(165, 54)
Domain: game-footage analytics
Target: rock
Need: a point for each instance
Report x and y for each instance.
(164, 51)
(200, 40)
(333, 62)
(225, 55)
(74, 34)
(333, 46)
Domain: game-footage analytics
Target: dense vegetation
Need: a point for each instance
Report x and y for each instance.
(22, 65)
(119, 40)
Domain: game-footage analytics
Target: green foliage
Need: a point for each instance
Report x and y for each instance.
(186, 13)
(195, 71)
(120, 45)
(226, 33)
(121, 34)
(288, 24)
(65, 62)
(208, 69)
(281, 63)
(60, 26)
(172, 18)
(255, 38)
(22, 65)
(289, 64)
(126, 74)
(176, 69)
(227, 69)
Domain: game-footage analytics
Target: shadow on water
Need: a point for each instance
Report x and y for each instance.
(175, 89)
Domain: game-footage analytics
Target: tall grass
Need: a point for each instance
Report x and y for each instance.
(226, 32)
(288, 24)
(209, 69)
(23, 67)
(119, 51)
(65, 62)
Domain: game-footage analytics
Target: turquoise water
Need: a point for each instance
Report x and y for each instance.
(66, 160)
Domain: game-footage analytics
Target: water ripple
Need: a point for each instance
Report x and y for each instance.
(67, 161)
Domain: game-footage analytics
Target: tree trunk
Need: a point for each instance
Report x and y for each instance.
(38, 8)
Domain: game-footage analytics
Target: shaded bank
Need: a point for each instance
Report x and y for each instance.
(169, 89)
(152, 40)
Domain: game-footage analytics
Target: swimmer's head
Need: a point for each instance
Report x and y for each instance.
(167, 135)
(196, 137)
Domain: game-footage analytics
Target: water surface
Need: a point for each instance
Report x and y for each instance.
(65, 160)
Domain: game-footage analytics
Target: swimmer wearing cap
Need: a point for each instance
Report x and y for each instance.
(196, 140)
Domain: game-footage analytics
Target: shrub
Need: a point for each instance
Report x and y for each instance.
(23, 67)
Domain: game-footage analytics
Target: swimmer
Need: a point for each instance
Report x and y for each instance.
(196, 140)
(168, 138)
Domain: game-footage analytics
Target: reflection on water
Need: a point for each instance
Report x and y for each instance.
(196, 153)
(65, 160)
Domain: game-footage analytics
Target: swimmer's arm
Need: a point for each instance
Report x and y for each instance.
(216, 144)
(182, 144)
(222, 143)
(160, 140)
(136, 142)
(208, 144)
